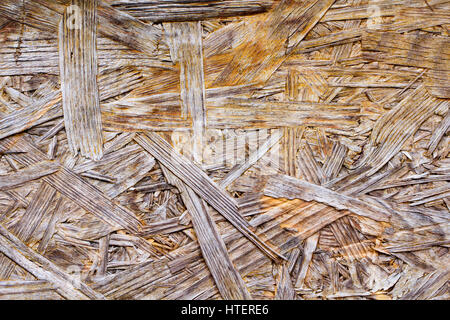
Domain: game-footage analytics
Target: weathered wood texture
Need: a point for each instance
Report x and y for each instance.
(117, 25)
(78, 64)
(176, 10)
(186, 48)
(235, 149)
(203, 185)
(228, 280)
(422, 51)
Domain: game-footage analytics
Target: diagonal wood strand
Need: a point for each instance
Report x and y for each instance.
(202, 185)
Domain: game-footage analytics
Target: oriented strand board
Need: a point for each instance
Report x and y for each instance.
(224, 149)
